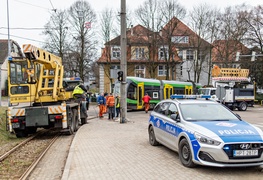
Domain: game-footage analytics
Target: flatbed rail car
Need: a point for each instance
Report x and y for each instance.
(158, 90)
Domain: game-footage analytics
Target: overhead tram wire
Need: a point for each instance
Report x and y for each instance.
(32, 4)
(23, 38)
(22, 28)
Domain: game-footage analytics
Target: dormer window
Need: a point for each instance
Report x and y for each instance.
(115, 52)
(163, 52)
(189, 55)
(140, 54)
(180, 39)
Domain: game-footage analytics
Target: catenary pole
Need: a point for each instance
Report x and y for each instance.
(8, 51)
(123, 105)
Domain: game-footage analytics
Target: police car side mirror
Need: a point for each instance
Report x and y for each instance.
(175, 117)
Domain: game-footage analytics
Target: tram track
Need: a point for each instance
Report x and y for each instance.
(5, 155)
(35, 163)
(21, 160)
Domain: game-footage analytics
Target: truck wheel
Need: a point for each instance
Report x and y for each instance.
(21, 133)
(84, 121)
(71, 123)
(32, 130)
(242, 106)
(75, 119)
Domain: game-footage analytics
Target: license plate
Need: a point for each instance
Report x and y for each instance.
(245, 153)
(15, 125)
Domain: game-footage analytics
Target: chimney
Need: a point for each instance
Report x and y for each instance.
(102, 50)
(161, 31)
(131, 30)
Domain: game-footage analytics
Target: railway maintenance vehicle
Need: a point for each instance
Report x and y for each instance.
(38, 97)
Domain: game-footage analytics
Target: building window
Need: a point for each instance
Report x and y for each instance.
(181, 70)
(161, 70)
(180, 54)
(115, 52)
(140, 71)
(163, 52)
(140, 53)
(189, 55)
(115, 67)
(180, 39)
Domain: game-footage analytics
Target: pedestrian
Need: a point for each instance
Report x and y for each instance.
(106, 96)
(101, 103)
(117, 106)
(146, 100)
(111, 106)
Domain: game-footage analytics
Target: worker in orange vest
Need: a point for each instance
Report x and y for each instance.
(146, 100)
(111, 106)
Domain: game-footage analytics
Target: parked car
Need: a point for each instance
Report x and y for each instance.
(205, 132)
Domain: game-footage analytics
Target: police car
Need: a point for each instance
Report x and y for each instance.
(205, 132)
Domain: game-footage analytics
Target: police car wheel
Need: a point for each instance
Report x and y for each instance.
(152, 139)
(185, 154)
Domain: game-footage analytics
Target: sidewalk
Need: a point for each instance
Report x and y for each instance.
(104, 149)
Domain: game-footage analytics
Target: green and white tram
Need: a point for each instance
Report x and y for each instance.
(136, 88)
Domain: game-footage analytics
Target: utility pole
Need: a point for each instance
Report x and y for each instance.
(123, 62)
(8, 51)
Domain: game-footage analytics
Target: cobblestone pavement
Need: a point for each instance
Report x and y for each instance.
(104, 149)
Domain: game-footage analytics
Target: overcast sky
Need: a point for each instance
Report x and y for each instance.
(32, 15)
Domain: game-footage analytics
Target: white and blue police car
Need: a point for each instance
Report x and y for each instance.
(205, 132)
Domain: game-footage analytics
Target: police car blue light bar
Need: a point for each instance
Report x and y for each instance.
(72, 78)
(190, 96)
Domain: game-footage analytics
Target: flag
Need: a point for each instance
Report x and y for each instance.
(87, 25)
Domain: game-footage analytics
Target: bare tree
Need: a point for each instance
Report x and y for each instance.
(254, 20)
(202, 23)
(56, 32)
(254, 37)
(83, 42)
(107, 28)
(231, 31)
(171, 12)
(148, 15)
(213, 28)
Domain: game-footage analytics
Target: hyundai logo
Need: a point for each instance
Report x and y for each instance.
(245, 146)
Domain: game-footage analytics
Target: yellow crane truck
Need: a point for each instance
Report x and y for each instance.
(37, 98)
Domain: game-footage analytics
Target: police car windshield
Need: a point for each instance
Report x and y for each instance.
(206, 112)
